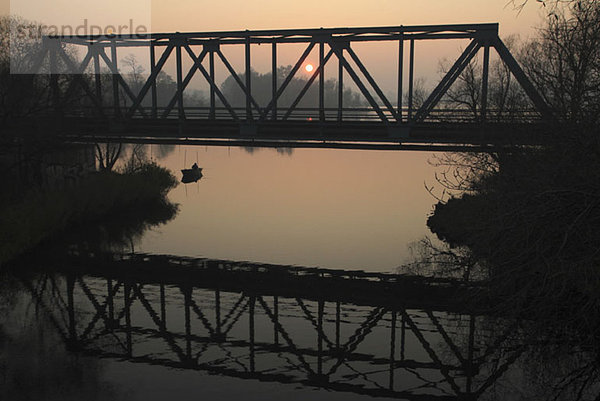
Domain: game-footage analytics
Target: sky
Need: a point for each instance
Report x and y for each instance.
(193, 15)
(197, 15)
(202, 16)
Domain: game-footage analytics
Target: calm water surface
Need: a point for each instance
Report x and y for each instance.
(330, 208)
(85, 327)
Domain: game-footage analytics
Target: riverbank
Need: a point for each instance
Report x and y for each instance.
(532, 221)
(43, 214)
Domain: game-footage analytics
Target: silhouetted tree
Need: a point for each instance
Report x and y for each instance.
(564, 62)
(262, 91)
(505, 96)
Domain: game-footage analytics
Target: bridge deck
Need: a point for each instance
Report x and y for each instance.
(348, 286)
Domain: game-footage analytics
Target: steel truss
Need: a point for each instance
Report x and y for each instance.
(101, 51)
(115, 315)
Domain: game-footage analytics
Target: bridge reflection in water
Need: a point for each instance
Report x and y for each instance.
(340, 330)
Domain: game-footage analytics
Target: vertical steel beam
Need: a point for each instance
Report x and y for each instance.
(110, 301)
(187, 299)
(411, 78)
(337, 325)
(115, 82)
(181, 113)
(470, 368)
(392, 349)
(338, 50)
(400, 75)
(276, 320)
(340, 87)
(251, 304)
(371, 81)
(248, 80)
(484, 81)
(448, 79)
(287, 80)
(71, 307)
(402, 338)
(322, 81)
(274, 81)
(211, 67)
(140, 96)
(320, 313)
(153, 87)
(218, 311)
(163, 309)
(318, 71)
(127, 302)
(98, 78)
(525, 83)
(120, 80)
(54, 44)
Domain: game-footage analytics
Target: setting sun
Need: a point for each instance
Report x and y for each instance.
(309, 67)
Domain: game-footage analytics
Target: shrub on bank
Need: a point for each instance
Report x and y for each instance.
(43, 214)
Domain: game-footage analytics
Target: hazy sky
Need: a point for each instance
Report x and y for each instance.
(194, 15)
(198, 15)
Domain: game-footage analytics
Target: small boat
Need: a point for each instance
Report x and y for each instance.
(191, 174)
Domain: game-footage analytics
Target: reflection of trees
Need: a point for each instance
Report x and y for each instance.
(162, 150)
(262, 91)
(282, 151)
(128, 157)
(121, 231)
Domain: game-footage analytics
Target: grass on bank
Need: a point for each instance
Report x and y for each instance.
(42, 214)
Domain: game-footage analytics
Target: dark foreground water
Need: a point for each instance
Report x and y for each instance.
(89, 325)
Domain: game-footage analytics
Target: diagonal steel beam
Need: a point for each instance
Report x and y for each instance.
(372, 82)
(312, 320)
(185, 83)
(285, 335)
(232, 310)
(359, 335)
(151, 79)
(338, 50)
(521, 77)
(78, 72)
(115, 71)
(317, 72)
(159, 323)
(446, 337)
(288, 79)
(237, 79)
(447, 81)
(212, 83)
(80, 79)
(201, 316)
(49, 312)
(39, 60)
(429, 349)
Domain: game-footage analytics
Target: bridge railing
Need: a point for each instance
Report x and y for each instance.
(312, 115)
